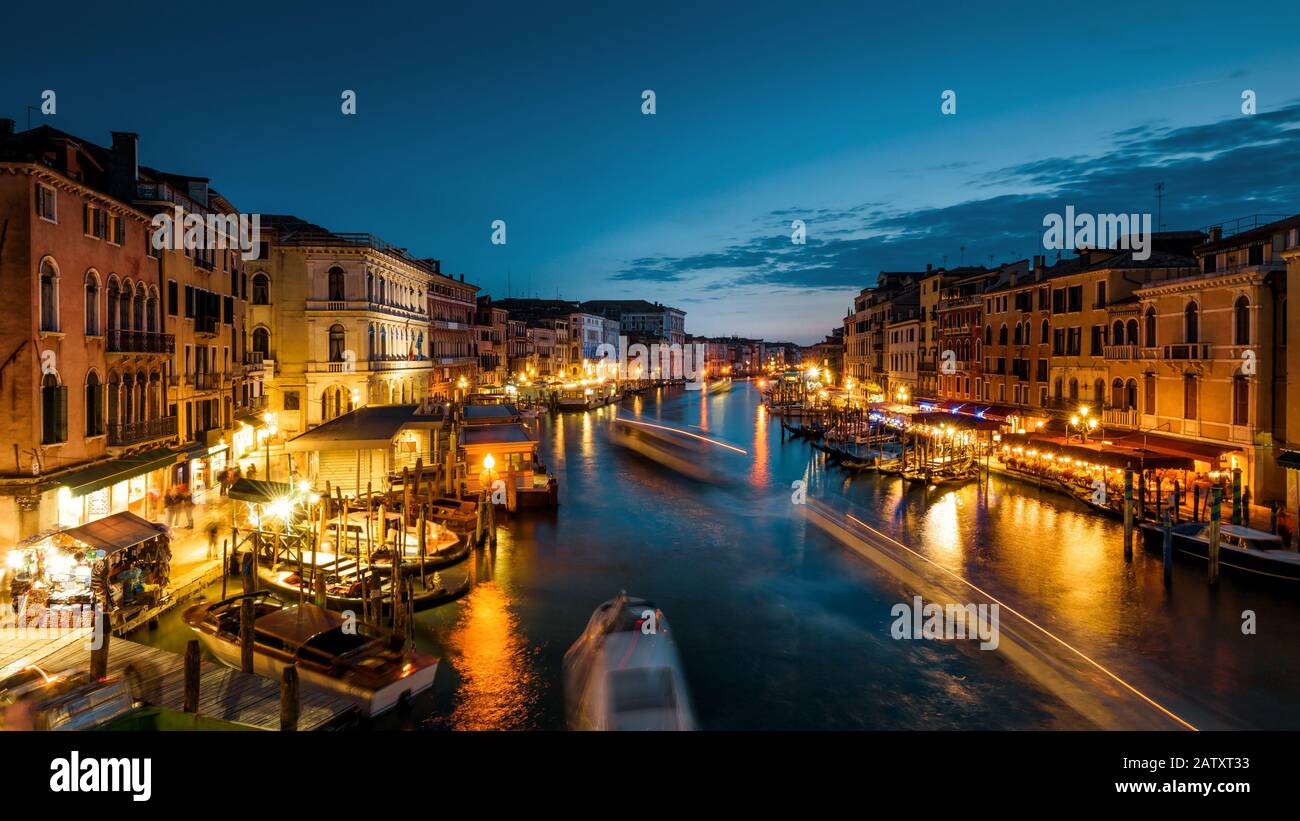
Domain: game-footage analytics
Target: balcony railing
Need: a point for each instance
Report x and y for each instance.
(130, 433)
(206, 325)
(120, 341)
(207, 381)
(1125, 417)
(1120, 352)
(256, 403)
(1188, 350)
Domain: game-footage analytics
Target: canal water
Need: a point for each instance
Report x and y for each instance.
(781, 627)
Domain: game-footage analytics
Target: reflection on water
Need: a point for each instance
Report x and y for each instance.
(489, 653)
(780, 627)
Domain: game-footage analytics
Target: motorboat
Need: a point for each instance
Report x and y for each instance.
(624, 672)
(369, 666)
(1242, 550)
(682, 451)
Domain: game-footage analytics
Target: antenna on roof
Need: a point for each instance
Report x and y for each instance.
(1160, 201)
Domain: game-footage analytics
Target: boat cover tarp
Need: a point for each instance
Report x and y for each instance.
(117, 532)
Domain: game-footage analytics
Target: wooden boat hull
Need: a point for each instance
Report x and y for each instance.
(1231, 559)
(423, 599)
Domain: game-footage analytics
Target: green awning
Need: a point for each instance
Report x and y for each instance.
(104, 474)
(1289, 459)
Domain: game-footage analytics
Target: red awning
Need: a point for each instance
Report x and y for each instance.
(1168, 445)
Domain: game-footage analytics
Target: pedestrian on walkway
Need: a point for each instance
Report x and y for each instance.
(187, 506)
(169, 504)
(223, 479)
(212, 540)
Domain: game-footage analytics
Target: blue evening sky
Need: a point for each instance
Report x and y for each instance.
(766, 112)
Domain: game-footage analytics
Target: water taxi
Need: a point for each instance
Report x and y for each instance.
(682, 451)
(624, 672)
(369, 666)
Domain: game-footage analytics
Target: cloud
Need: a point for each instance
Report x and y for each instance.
(1211, 173)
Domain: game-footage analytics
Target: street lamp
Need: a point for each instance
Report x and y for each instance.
(487, 477)
(1083, 423)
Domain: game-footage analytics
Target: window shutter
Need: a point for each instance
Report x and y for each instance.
(61, 413)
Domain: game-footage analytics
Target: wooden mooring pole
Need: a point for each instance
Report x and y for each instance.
(289, 698)
(1216, 511)
(1168, 552)
(192, 676)
(246, 635)
(1128, 513)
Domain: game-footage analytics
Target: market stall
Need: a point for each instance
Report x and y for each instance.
(69, 568)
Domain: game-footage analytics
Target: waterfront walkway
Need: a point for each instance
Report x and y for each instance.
(157, 677)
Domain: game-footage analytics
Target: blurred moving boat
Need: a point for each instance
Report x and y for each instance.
(683, 451)
(624, 673)
(369, 666)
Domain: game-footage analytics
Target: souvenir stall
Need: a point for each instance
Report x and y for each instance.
(69, 568)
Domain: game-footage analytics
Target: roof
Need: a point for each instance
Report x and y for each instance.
(369, 428)
(1289, 459)
(482, 414)
(298, 624)
(259, 491)
(511, 433)
(117, 532)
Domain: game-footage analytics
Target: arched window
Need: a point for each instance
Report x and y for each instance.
(1117, 393)
(1151, 327)
(1241, 321)
(92, 304)
(54, 410)
(1002, 334)
(1074, 390)
(262, 342)
(337, 340)
(151, 311)
(1057, 389)
(114, 400)
(1131, 395)
(1131, 332)
(261, 289)
(94, 405)
(1117, 333)
(988, 334)
(336, 283)
(1046, 333)
(112, 303)
(137, 306)
(1191, 326)
(1240, 400)
(124, 307)
(49, 296)
(370, 287)
(1099, 391)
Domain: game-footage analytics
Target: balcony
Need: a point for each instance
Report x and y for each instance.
(131, 433)
(448, 325)
(120, 341)
(1120, 353)
(256, 403)
(208, 381)
(1124, 417)
(1188, 351)
(205, 325)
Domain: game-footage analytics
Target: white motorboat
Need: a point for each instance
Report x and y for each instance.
(624, 673)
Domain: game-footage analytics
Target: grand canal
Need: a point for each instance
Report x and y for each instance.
(781, 627)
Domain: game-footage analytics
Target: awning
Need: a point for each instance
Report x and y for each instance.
(1116, 454)
(1200, 451)
(104, 474)
(259, 491)
(117, 532)
(1289, 459)
(369, 428)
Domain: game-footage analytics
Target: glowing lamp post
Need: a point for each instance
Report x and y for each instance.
(1083, 423)
(488, 476)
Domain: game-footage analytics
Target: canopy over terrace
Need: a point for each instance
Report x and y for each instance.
(117, 532)
(366, 447)
(1109, 453)
(960, 415)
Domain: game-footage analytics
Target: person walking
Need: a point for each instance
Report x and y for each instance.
(187, 505)
(169, 504)
(212, 540)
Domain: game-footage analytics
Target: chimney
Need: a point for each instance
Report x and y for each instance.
(124, 165)
(929, 266)
(1039, 261)
(1216, 233)
(462, 277)
(6, 127)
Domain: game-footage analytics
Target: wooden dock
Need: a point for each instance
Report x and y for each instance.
(158, 677)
